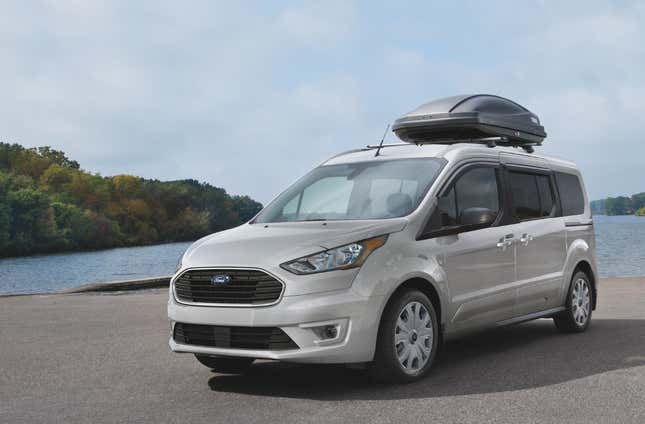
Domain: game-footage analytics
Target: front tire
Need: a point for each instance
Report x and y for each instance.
(577, 317)
(225, 365)
(408, 339)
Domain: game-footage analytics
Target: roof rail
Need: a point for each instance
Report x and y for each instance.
(488, 141)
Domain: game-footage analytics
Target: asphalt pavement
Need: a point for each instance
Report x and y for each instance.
(104, 358)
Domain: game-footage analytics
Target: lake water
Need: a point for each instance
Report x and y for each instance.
(620, 245)
(47, 273)
(620, 252)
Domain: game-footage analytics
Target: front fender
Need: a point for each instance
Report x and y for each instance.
(387, 269)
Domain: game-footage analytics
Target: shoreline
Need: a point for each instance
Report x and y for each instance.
(112, 286)
(164, 281)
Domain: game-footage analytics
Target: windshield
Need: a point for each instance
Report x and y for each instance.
(363, 190)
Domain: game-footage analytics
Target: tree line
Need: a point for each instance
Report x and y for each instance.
(49, 204)
(621, 205)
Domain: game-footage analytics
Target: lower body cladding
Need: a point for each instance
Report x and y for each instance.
(330, 327)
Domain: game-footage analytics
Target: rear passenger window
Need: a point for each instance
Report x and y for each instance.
(532, 196)
(571, 197)
(526, 197)
(547, 201)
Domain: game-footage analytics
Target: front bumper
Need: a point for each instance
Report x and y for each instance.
(355, 316)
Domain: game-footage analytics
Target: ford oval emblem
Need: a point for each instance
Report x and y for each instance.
(220, 279)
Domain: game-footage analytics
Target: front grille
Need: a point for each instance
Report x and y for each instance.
(250, 287)
(258, 338)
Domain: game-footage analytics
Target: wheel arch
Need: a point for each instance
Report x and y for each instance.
(580, 258)
(426, 287)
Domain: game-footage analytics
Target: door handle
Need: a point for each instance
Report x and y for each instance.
(525, 239)
(505, 242)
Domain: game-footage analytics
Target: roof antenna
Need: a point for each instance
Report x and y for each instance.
(382, 140)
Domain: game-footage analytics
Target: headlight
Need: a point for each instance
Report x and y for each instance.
(349, 256)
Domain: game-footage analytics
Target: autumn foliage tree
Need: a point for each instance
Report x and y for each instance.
(48, 203)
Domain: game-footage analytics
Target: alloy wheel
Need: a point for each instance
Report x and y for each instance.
(581, 302)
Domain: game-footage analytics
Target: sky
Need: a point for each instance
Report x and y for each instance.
(249, 96)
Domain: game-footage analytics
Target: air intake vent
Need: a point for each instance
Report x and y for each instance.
(228, 286)
(256, 338)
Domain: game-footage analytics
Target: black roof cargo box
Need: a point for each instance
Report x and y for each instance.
(470, 117)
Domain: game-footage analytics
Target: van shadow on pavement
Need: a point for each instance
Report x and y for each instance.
(525, 356)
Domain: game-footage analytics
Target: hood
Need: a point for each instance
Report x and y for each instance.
(268, 245)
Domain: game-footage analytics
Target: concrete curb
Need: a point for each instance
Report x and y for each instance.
(138, 284)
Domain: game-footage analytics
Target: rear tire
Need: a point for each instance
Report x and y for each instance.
(577, 317)
(225, 365)
(408, 339)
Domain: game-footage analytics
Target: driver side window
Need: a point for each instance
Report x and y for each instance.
(476, 188)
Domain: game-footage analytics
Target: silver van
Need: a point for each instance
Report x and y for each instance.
(379, 254)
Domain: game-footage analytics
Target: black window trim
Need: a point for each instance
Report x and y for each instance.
(502, 216)
(533, 170)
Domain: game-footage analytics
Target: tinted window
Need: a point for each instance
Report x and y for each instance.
(476, 188)
(532, 196)
(573, 201)
(526, 198)
(547, 201)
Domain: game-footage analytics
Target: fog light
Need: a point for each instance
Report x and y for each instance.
(327, 332)
(330, 331)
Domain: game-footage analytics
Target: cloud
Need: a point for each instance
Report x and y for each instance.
(581, 70)
(250, 97)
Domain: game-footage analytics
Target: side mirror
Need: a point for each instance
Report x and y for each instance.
(477, 217)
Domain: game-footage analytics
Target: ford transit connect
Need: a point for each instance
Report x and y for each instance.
(378, 254)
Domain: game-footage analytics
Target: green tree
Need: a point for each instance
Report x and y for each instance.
(33, 226)
(56, 157)
(56, 177)
(76, 228)
(126, 186)
(638, 201)
(245, 207)
(5, 214)
(190, 224)
(620, 205)
(100, 232)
